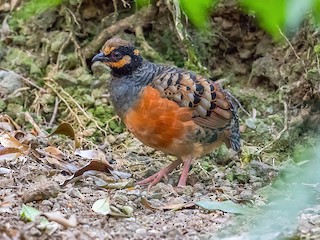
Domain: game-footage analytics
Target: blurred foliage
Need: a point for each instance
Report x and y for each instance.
(34, 7)
(296, 189)
(197, 11)
(143, 3)
(272, 15)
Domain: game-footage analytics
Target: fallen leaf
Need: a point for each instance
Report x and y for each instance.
(91, 154)
(61, 219)
(7, 118)
(29, 213)
(177, 206)
(113, 185)
(171, 206)
(6, 140)
(147, 204)
(6, 126)
(55, 152)
(102, 206)
(121, 175)
(225, 206)
(93, 165)
(8, 153)
(127, 210)
(123, 212)
(67, 130)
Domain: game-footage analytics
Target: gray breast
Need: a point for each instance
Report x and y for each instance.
(125, 90)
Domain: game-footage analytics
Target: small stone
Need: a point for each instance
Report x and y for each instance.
(9, 82)
(141, 231)
(35, 232)
(226, 25)
(154, 232)
(245, 54)
(120, 199)
(187, 190)
(47, 203)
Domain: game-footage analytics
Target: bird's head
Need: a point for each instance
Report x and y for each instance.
(120, 55)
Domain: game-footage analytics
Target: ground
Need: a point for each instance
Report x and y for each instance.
(48, 54)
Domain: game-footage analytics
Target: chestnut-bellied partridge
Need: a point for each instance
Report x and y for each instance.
(169, 108)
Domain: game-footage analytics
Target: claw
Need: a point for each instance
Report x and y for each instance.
(155, 178)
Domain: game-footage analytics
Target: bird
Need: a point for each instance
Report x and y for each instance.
(170, 109)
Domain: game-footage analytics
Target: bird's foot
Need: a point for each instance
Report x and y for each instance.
(155, 178)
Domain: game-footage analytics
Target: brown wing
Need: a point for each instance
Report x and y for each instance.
(211, 108)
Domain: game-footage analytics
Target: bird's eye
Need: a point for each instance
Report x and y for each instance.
(115, 54)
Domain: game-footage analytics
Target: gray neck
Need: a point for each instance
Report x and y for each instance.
(125, 90)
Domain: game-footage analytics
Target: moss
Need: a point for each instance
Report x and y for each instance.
(22, 61)
(3, 105)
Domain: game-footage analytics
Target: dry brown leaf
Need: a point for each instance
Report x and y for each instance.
(67, 130)
(93, 165)
(54, 152)
(91, 154)
(174, 206)
(55, 159)
(147, 204)
(6, 118)
(6, 140)
(7, 126)
(8, 153)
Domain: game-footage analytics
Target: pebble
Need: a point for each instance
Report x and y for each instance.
(9, 82)
(141, 231)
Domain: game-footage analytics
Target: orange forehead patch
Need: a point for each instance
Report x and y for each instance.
(108, 50)
(123, 61)
(136, 52)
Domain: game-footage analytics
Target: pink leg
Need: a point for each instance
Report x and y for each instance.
(184, 175)
(155, 178)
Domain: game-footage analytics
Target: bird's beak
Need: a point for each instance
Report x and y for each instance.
(100, 57)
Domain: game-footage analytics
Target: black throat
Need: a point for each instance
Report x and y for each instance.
(136, 61)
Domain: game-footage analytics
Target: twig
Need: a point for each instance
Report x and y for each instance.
(145, 45)
(294, 51)
(141, 17)
(64, 45)
(77, 105)
(83, 111)
(33, 123)
(78, 51)
(66, 103)
(55, 111)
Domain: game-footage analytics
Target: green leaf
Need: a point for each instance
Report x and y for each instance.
(143, 3)
(29, 213)
(102, 206)
(226, 206)
(271, 14)
(316, 10)
(197, 11)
